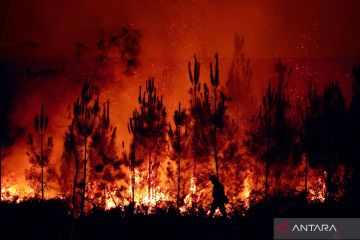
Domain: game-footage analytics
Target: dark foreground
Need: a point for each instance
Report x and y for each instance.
(50, 220)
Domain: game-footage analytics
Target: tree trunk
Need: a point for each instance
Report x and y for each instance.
(179, 165)
(133, 173)
(195, 141)
(195, 97)
(75, 181)
(266, 179)
(42, 164)
(84, 181)
(267, 160)
(179, 178)
(216, 156)
(149, 178)
(215, 140)
(133, 183)
(330, 185)
(73, 146)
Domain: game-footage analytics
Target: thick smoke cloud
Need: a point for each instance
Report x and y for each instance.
(9, 82)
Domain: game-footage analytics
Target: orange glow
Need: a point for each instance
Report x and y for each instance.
(170, 34)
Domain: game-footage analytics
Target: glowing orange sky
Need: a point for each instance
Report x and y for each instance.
(296, 28)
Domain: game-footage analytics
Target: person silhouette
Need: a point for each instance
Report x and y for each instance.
(219, 197)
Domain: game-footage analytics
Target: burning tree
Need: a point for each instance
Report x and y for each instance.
(178, 138)
(105, 163)
(270, 137)
(211, 128)
(225, 145)
(119, 48)
(85, 112)
(152, 129)
(39, 156)
(325, 134)
(199, 117)
(134, 127)
(310, 137)
(219, 114)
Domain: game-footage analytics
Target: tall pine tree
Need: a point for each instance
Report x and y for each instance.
(42, 171)
(152, 132)
(271, 135)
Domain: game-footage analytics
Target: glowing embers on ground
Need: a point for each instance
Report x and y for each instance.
(15, 191)
(317, 188)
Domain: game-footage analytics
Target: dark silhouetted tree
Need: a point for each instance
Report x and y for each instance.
(196, 112)
(325, 133)
(333, 135)
(39, 156)
(354, 116)
(310, 134)
(153, 129)
(105, 163)
(224, 129)
(85, 112)
(219, 110)
(270, 137)
(120, 48)
(178, 138)
(211, 130)
(134, 127)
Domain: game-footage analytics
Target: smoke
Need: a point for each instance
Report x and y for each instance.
(9, 81)
(28, 83)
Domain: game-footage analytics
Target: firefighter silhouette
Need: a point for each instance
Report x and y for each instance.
(219, 197)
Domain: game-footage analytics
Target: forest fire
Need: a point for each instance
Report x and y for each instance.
(168, 166)
(13, 191)
(169, 121)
